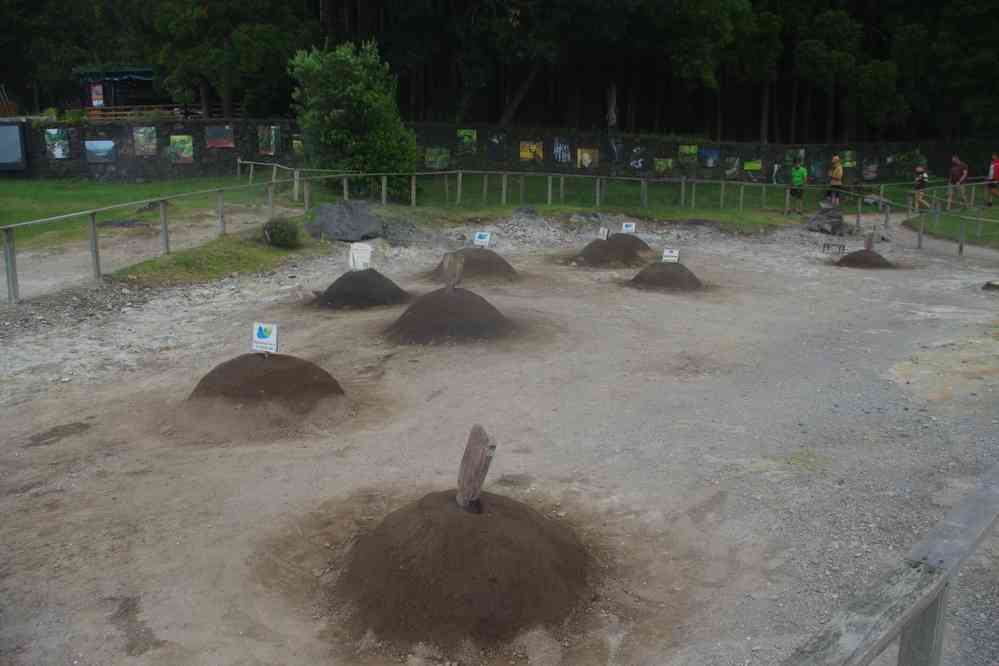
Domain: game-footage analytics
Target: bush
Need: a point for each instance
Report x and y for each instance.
(283, 233)
(346, 105)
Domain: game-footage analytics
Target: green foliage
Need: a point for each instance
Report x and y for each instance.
(346, 104)
(283, 233)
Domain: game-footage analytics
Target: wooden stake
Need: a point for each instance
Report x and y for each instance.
(479, 453)
(454, 269)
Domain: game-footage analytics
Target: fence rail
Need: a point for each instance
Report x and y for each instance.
(301, 180)
(910, 603)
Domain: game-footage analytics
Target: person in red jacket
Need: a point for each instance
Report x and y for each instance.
(993, 191)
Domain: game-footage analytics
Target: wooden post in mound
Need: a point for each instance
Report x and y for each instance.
(454, 268)
(479, 453)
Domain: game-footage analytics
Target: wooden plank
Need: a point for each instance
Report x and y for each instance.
(479, 453)
(856, 635)
(921, 643)
(454, 269)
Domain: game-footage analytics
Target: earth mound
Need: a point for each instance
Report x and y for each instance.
(864, 259)
(448, 315)
(617, 250)
(480, 264)
(292, 383)
(991, 285)
(362, 289)
(666, 276)
(431, 572)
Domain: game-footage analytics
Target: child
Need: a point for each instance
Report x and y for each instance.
(799, 178)
(922, 178)
(835, 180)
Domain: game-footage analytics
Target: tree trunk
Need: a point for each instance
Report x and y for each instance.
(657, 123)
(830, 114)
(510, 112)
(806, 127)
(633, 101)
(203, 92)
(718, 113)
(765, 114)
(612, 107)
(793, 123)
(775, 108)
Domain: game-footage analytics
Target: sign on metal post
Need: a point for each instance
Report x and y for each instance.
(671, 256)
(265, 338)
(482, 238)
(628, 228)
(360, 256)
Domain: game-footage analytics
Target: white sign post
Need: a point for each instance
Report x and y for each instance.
(671, 256)
(482, 239)
(265, 338)
(628, 228)
(603, 233)
(360, 256)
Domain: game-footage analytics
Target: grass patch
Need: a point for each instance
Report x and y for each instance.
(984, 232)
(26, 200)
(214, 260)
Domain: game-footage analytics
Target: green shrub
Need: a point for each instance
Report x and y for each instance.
(283, 233)
(346, 105)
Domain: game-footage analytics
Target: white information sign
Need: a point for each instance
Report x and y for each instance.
(671, 256)
(628, 228)
(360, 256)
(603, 233)
(265, 338)
(482, 239)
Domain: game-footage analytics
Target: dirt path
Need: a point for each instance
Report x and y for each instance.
(744, 459)
(47, 270)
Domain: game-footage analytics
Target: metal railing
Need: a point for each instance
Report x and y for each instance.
(732, 195)
(910, 603)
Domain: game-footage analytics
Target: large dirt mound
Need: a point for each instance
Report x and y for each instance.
(431, 572)
(617, 250)
(864, 259)
(448, 315)
(666, 276)
(362, 289)
(292, 383)
(480, 264)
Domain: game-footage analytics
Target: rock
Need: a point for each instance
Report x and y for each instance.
(991, 285)
(828, 220)
(349, 221)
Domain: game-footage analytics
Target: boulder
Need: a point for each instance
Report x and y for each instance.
(348, 221)
(828, 220)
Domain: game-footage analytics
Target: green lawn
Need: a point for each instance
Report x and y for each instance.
(25, 200)
(948, 225)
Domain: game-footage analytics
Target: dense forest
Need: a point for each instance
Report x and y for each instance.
(737, 70)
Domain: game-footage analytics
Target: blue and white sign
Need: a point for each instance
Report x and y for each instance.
(265, 338)
(603, 233)
(482, 239)
(628, 228)
(671, 256)
(360, 256)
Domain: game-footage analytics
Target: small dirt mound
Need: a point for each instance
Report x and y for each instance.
(448, 315)
(431, 572)
(292, 383)
(666, 276)
(480, 264)
(618, 250)
(864, 259)
(991, 285)
(362, 289)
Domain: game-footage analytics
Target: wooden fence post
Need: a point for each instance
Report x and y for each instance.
(683, 192)
(412, 190)
(346, 189)
(485, 189)
(922, 230)
(10, 265)
(522, 189)
(296, 189)
(763, 203)
(447, 188)
(503, 191)
(597, 190)
(274, 173)
(972, 196)
(787, 201)
(308, 194)
(921, 643)
(561, 189)
(164, 231)
(742, 196)
(645, 193)
(860, 208)
(220, 212)
(384, 190)
(960, 241)
(936, 215)
(693, 194)
(881, 197)
(270, 202)
(95, 252)
(251, 173)
(722, 197)
(550, 190)
(239, 167)
(457, 195)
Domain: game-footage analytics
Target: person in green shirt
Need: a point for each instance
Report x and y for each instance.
(799, 178)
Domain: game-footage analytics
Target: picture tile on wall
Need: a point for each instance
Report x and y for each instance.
(587, 158)
(99, 150)
(220, 136)
(181, 149)
(57, 143)
(144, 140)
(532, 151)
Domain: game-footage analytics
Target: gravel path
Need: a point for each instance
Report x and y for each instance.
(747, 458)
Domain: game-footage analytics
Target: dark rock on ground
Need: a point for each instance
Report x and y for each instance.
(349, 221)
(829, 220)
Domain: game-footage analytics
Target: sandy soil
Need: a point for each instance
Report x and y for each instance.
(741, 460)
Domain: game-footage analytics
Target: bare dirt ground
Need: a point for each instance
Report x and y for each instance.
(741, 460)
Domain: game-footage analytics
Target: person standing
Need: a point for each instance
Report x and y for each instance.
(958, 174)
(922, 179)
(799, 178)
(993, 180)
(835, 179)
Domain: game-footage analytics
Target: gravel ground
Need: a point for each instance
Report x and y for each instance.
(746, 458)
